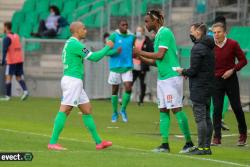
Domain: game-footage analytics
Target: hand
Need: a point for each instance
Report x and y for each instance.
(119, 50)
(110, 44)
(228, 73)
(136, 51)
(179, 70)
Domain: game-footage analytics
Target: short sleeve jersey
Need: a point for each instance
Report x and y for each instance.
(72, 57)
(165, 39)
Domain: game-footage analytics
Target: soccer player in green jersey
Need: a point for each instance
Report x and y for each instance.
(74, 52)
(169, 83)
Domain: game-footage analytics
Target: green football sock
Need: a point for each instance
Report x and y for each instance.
(211, 109)
(225, 106)
(125, 100)
(58, 126)
(114, 101)
(90, 124)
(164, 126)
(183, 124)
(224, 110)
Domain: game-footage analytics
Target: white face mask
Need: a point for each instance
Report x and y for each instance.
(138, 34)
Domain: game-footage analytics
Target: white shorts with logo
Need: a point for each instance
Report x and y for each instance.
(73, 92)
(117, 78)
(170, 92)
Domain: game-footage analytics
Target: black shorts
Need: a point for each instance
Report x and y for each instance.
(14, 69)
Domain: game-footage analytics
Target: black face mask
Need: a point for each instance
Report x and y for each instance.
(193, 39)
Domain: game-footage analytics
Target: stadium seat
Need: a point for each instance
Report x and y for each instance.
(29, 5)
(43, 15)
(89, 21)
(125, 8)
(81, 11)
(69, 7)
(25, 30)
(64, 33)
(31, 17)
(16, 20)
(98, 20)
(115, 9)
(42, 6)
(101, 3)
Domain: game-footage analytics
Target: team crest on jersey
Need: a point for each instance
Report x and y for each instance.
(85, 50)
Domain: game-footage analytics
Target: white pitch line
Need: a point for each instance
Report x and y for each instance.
(129, 148)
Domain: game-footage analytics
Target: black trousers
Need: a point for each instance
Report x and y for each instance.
(230, 87)
(204, 124)
(141, 75)
(43, 31)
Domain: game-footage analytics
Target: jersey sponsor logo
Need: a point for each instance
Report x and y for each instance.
(169, 98)
(85, 50)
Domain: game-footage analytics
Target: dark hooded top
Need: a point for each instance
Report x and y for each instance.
(201, 71)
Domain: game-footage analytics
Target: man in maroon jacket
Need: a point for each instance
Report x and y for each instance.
(226, 82)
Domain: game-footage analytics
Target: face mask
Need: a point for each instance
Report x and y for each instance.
(193, 39)
(138, 34)
(52, 13)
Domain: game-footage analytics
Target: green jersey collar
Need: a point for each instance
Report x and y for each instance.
(159, 31)
(74, 38)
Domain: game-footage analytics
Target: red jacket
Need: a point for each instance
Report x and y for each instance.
(225, 57)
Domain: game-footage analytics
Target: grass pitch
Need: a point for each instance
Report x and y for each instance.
(26, 127)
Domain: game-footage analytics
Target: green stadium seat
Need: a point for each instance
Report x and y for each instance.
(144, 7)
(89, 21)
(31, 17)
(64, 33)
(69, 7)
(42, 6)
(25, 30)
(17, 20)
(101, 3)
(98, 22)
(125, 8)
(43, 15)
(115, 9)
(83, 10)
(29, 5)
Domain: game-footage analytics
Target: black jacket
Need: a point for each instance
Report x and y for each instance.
(201, 71)
(147, 46)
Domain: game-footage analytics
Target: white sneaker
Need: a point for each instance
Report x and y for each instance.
(25, 95)
(6, 98)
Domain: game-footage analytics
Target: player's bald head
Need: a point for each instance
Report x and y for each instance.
(75, 26)
(78, 30)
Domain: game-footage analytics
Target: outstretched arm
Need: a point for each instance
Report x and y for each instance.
(96, 56)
